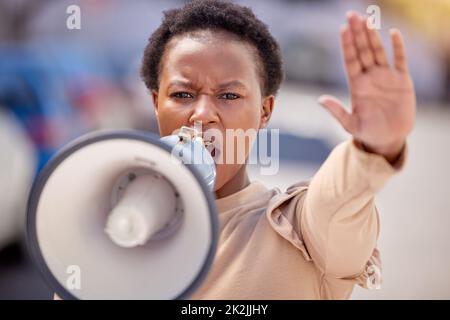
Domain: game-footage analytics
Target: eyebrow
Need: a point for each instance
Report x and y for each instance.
(233, 83)
(180, 83)
(189, 84)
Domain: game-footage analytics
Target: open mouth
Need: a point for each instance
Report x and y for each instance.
(211, 148)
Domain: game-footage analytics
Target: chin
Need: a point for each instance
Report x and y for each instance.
(224, 174)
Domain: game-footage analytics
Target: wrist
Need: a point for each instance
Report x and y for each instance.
(391, 153)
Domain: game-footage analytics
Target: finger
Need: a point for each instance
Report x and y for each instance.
(337, 109)
(377, 46)
(360, 39)
(351, 61)
(398, 50)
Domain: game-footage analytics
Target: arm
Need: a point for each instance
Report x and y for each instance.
(339, 221)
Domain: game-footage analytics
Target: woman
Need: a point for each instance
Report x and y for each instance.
(215, 63)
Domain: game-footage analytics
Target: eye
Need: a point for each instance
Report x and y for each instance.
(229, 96)
(182, 95)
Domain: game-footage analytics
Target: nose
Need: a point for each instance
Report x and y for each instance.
(204, 111)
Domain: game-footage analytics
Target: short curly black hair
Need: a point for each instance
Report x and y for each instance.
(218, 16)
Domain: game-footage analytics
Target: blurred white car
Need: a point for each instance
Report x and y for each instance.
(17, 167)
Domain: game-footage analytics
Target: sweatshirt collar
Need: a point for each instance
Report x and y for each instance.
(250, 192)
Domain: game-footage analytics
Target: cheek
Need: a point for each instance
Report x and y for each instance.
(171, 119)
(243, 116)
(244, 120)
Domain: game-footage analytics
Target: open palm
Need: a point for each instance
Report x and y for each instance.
(382, 96)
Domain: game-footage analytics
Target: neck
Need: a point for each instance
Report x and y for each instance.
(238, 182)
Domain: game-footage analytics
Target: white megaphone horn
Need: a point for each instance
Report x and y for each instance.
(125, 215)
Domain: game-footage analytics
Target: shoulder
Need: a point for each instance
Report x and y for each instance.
(292, 193)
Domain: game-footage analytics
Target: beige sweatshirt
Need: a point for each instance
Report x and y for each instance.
(314, 241)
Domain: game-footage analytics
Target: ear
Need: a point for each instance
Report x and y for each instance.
(155, 101)
(266, 110)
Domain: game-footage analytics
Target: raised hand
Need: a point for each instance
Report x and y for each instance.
(382, 96)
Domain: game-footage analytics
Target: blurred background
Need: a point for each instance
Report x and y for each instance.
(56, 84)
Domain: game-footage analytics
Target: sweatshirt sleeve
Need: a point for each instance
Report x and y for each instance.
(338, 219)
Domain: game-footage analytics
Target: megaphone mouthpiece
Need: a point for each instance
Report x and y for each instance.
(146, 206)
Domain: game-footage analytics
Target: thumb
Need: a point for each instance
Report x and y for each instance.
(337, 109)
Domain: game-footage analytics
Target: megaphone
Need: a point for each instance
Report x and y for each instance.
(125, 215)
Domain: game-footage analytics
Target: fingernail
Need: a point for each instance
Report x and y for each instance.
(322, 99)
(393, 30)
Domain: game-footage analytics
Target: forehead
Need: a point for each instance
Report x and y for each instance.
(211, 55)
